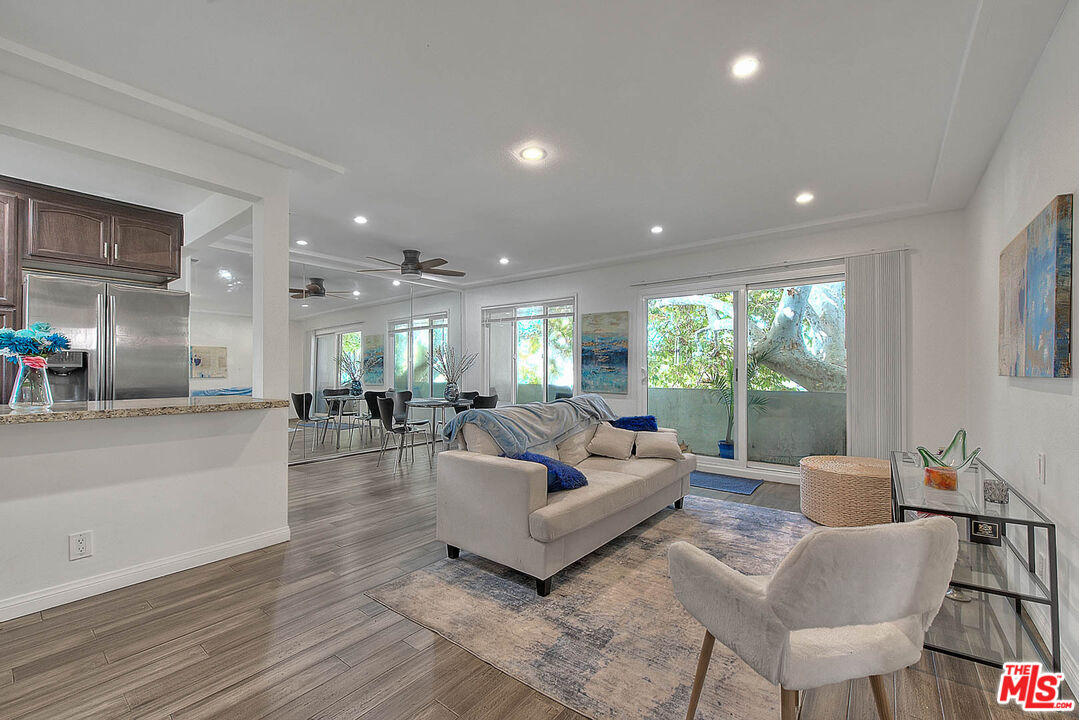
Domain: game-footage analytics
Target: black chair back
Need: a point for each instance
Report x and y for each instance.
(561, 396)
(460, 407)
(301, 403)
(400, 405)
(385, 412)
(371, 397)
(485, 402)
(332, 405)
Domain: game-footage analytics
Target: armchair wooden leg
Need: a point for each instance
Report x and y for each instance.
(702, 669)
(789, 703)
(880, 696)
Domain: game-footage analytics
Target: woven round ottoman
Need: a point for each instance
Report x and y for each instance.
(840, 491)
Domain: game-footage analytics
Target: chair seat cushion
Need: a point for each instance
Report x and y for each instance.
(822, 656)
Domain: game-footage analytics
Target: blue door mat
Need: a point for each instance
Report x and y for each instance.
(726, 483)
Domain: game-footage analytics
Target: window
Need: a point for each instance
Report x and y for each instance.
(413, 343)
(330, 350)
(530, 350)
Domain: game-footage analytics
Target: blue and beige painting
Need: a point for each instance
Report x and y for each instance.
(605, 352)
(1035, 296)
(374, 360)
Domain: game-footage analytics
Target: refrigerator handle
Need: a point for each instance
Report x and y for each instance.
(96, 390)
(110, 344)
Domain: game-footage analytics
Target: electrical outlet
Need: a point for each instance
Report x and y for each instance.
(1041, 468)
(80, 545)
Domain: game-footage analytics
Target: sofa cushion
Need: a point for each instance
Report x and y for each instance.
(560, 476)
(658, 445)
(656, 473)
(612, 442)
(636, 423)
(479, 441)
(605, 494)
(574, 449)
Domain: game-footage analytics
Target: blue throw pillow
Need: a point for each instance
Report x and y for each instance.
(560, 476)
(637, 423)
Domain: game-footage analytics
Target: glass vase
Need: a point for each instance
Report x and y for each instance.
(452, 393)
(355, 388)
(31, 391)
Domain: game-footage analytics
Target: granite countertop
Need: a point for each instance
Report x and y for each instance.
(106, 409)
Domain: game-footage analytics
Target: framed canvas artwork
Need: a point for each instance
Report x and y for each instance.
(374, 360)
(1035, 296)
(605, 352)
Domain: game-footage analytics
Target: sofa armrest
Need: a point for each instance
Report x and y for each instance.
(484, 501)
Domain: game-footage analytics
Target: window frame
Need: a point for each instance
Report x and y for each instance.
(486, 321)
(427, 322)
(336, 333)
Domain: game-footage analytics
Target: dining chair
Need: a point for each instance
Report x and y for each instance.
(485, 402)
(400, 410)
(401, 430)
(461, 407)
(562, 395)
(372, 419)
(337, 408)
(845, 603)
(301, 403)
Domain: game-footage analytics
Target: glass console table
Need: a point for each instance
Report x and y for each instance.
(1006, 569)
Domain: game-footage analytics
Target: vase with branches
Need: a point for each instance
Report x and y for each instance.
(720, 380)
(453, 366)
(353, 367)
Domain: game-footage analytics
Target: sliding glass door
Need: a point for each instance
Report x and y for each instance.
(754, 374)
(691, 369)
(530, 351)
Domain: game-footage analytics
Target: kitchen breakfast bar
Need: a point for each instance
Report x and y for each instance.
(149, 487)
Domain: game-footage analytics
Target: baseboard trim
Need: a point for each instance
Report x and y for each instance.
(714, 465)
(51, 597)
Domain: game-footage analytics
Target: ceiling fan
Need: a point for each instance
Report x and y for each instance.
(414, 267)
(315, 288)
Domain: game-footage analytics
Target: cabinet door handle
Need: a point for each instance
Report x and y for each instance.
(105, 249)
(116, 251)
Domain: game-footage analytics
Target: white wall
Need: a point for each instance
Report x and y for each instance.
(224, 330)
(1016, 418)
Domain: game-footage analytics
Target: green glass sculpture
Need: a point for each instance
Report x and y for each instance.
(954, 456)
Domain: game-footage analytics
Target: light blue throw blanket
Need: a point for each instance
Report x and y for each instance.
(518, 428)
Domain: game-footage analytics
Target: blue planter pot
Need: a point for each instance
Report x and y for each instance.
(726, 449)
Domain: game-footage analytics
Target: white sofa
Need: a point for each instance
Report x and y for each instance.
(500, 508)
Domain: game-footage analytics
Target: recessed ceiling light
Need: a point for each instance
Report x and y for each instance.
(504, 261)
(360, 220)
(304, 305)
(745, 66)
(396, 283)
(804, 198)
(533, 153)
(224, 274)
(657, 229)
(355, 293)
(301, 242)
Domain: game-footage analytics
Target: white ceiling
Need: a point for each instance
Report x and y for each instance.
(879, 108)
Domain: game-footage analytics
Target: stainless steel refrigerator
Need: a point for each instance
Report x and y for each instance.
(127, 341)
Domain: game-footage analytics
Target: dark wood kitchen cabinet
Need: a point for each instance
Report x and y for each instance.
(69, 231)
(7, 370)
(9, 250)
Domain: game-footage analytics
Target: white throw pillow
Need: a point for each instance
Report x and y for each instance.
(480, 441)
(574, 449)
(612, 442)
(658, 445)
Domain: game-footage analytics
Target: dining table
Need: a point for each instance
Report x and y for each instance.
(436, 405)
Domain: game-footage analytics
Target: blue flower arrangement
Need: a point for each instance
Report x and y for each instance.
(38, 340)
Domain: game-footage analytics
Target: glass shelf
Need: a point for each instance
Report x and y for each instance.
(987, 628)
(996, 568)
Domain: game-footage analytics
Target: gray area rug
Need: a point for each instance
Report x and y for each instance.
(611, 640)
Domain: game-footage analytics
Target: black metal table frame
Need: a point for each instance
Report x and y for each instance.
(899, 510)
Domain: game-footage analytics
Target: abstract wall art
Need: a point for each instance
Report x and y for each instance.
(605, 352)
(374, 359)
(209, 361)
(1035, 296)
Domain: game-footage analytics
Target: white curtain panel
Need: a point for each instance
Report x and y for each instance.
(876, 354)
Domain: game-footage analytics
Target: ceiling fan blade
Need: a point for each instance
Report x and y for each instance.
(301, 296)
(432, 263)
(297, 290)
(386, 270)
(338, 292)
(447, 273)
(384, 261)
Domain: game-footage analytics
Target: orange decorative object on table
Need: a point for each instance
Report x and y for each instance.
(942, 478)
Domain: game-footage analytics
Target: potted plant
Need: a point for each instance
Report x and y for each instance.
(354, 368)
(453, 367)
(30, 348)
(721, 382)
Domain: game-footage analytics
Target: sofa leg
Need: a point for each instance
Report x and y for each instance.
(543, 587)
(453, 552)
(679, 503)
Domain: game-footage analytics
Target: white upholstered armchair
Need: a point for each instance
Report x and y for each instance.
(845, 603)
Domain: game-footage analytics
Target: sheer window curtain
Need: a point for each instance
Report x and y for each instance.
(876, 353)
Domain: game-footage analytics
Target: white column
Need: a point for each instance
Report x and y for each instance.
(269, 265)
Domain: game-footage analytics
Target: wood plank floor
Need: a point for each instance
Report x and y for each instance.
(287, 632)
